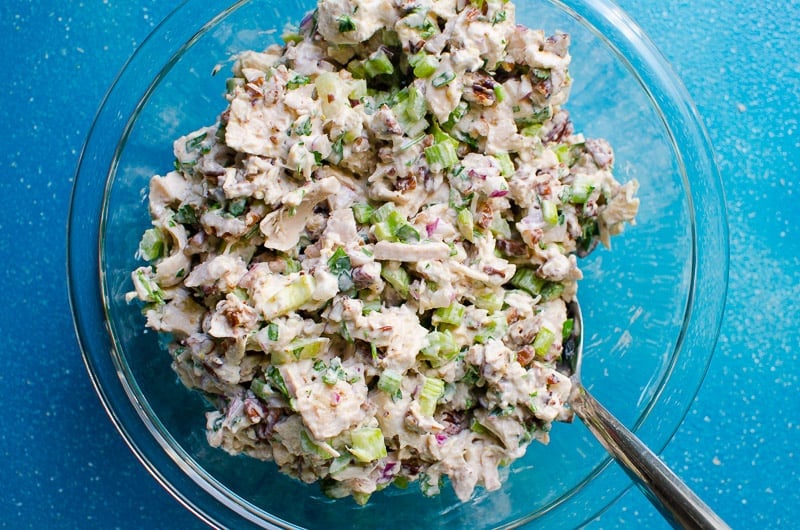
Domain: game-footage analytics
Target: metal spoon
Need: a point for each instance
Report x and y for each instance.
(679, 505)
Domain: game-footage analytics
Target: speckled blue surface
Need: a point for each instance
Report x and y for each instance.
(64, 466)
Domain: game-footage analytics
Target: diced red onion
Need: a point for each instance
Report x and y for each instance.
(431, 227)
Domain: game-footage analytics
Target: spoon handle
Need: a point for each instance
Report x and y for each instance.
(676, 502)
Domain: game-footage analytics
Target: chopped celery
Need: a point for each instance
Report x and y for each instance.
(368, 444)
(151, 247)
(416, 107)
(292, 296)
(500, 228)
(407, 233)
(499, 93)
(312, 448)
(432, 390)
(261, 389)
(383, 213)
(397, 277)
(356, 68)
(370, 306)
(549, 211)
(506, 165)
(391, 225)
(579, 191)
(383, 232)
(395, 219)
(526, 279)
(440, 348)
(303, 348)
(390, 382)
(307, 348)
(568, 154)
(410, 113)
(532, 402)
(452, 314)
(496, 327)
(362, 212)
(543, 341)
(441, 155)
(415, 58)
(339, 463)
(552, 290)
(490, 301)
(439, 136)
(531, 130)
(566, 328)
(424, 65)
(378, 64)
(502, 411)
(562, 152)
(394, 98)
(541, 73)
(465, 223)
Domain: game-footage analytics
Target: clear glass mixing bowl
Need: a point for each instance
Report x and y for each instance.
(652, 306)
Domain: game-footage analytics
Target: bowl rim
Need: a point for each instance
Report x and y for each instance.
(604, 18)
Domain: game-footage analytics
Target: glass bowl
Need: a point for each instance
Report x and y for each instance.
(652, 306)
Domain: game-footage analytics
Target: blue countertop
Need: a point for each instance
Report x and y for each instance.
(65, 466)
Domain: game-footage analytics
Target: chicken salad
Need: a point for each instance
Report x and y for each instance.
(364, 262)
